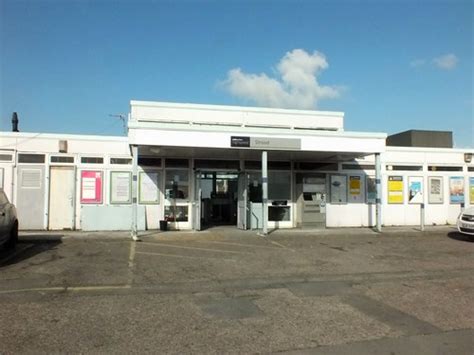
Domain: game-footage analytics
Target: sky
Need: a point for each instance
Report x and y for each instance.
(389, 65)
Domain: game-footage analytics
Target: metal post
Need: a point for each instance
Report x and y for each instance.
(422, 216)
(264, 193)
(134, 230)
(378, 199)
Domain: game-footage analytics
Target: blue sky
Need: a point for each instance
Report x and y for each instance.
(389, 65)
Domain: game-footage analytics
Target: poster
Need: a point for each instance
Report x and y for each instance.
(471, 190)
(355, 188)
(338, 189)
(371, 189)
(395, 189)
(415, 189)
(435, 189)
(91, 186)
(120, 187)
(456, 189)
(148, 187)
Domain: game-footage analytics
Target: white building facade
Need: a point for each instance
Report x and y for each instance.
(198, 166)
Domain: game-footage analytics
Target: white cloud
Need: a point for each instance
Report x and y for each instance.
(446, 62)
(296, 87)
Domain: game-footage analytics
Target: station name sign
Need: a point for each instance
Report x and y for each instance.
(265, 143)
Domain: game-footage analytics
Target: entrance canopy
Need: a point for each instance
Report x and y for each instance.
(242, 132)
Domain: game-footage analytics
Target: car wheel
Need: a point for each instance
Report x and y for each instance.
(13, 237)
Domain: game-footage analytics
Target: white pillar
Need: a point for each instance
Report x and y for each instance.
(378, 199)
(134, 230)
(264, 193)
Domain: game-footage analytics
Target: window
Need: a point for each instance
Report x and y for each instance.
(278, 213)
(404, 167)
(358, 167)
(149, 161)
(177, 184)
(176, 213)
(177, 163)
(316, 166)
(444, 168)
(61, 159)
(31, 158)
(6, 157)
(92, 160)
(255, 187)
(216, 164)
(279, 185)
(121, 161)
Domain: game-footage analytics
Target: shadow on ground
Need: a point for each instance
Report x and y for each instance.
(461, 237)
(28, 247)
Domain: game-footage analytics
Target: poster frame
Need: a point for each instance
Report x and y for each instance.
(389, 191)
(462, 198)
(359, 197)
(369, 199)
(414, 179)
(98, 200)
(111, 182)
(471, 190)
(140, 179)
(430, 198)
(345, 193)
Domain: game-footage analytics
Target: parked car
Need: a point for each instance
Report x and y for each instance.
(466, 222)
(8, 222)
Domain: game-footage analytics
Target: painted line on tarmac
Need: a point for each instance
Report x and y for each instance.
(182, 256)
(281, 245)
(131, 255)
(193, 248)
(237, 244)
(65, 289)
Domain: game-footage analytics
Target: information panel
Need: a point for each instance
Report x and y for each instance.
(91, 187)
(471, 190)
(371, 187)
(456, 189)
(415, 190)
(149, 192)
(435, 189)
(355, 188)
(338, 189)
(120, 187)
(395, 189)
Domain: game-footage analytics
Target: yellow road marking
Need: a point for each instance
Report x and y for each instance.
(192, 248)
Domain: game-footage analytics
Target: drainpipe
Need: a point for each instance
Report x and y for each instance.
(134, 229)
(264, 194)
(378, 199)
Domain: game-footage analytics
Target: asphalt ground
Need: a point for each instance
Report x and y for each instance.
(343, 291)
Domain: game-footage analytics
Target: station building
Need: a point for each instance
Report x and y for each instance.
(198, 166)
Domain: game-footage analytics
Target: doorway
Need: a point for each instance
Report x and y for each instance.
(61, 198)
(217, 198)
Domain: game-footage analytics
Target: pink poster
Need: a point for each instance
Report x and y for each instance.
(91, 186)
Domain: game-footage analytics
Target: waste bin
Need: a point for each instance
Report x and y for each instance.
(163, 226)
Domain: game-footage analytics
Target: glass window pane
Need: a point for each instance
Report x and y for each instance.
(278, 213)
(176, 213)
(279, 185)
(255, 187)
(177, 184)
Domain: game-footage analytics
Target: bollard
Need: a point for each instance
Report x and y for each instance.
(422, 216)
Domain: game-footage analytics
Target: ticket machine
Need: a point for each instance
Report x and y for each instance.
(311, 201)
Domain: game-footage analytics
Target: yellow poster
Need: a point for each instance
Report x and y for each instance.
(471, 190)
(354, 185)
(395, 189)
